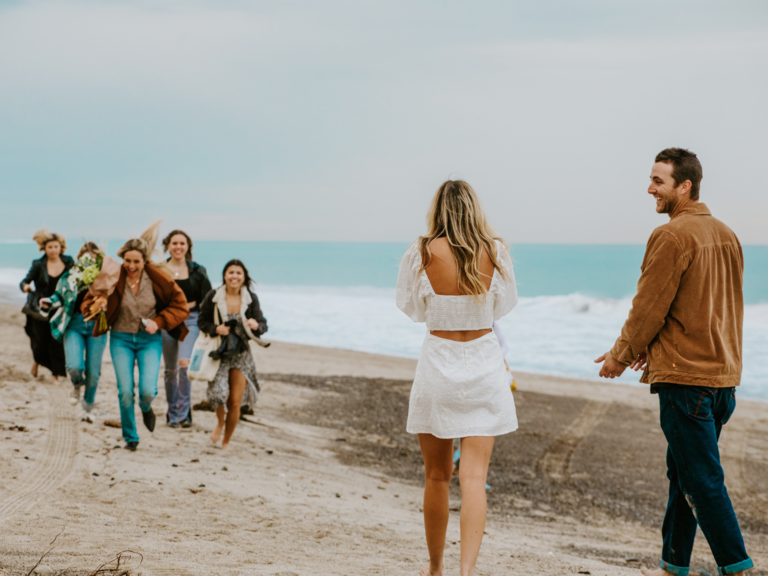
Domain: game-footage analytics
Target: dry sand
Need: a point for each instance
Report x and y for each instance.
(325, 481)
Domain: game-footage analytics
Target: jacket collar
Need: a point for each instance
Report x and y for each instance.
(693, 209)
(220, 298)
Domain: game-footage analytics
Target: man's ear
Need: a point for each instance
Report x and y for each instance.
(685, 188)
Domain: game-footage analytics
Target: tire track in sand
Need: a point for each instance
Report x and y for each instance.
(555, 463)
(55, 463)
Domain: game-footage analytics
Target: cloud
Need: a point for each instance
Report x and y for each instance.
(337, 120)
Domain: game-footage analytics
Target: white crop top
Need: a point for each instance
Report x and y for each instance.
(418, 300)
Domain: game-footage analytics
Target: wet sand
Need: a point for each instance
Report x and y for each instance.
(324, 480)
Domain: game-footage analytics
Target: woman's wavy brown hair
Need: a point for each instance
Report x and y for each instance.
(43, 236)
(89, 247)
(457, 215)
(167, 242)
(146, 244)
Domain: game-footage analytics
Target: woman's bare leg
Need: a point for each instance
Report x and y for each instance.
(237, 383)
(221, 415)
(473, 472)
(35, 368)
(438, 465)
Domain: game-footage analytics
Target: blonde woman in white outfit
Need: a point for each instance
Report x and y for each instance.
(458, 279)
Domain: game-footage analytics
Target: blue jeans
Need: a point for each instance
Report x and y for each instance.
(692, 418)
(178, 388)
(128, 350)
(83, 355)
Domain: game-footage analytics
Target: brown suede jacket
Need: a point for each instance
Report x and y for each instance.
(171, 304)
(689, 308)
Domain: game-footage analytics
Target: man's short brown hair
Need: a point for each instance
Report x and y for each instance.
(685, 166)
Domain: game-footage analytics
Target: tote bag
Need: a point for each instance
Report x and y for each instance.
(201, 365)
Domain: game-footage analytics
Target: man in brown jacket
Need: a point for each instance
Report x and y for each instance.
(685, 329)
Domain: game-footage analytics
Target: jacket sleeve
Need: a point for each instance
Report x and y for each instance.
(205, 317)
(254, 311)
(205, 283)
(31, 276)
(663, 266)
(58, 295)
(175, 311)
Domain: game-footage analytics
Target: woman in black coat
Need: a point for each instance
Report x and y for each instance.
(44, 274)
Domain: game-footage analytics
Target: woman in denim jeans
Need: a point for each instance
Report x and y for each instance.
(144, 302)
(193, 281)
(83, 351)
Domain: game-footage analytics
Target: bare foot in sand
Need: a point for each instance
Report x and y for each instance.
(226, 446)
(216, 434)
(55, 380)
(429, 571)
(35, 367)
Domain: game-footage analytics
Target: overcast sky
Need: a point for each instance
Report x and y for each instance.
(333, 120)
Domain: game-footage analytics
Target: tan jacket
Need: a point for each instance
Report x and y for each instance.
(171, 303)
(689, 307)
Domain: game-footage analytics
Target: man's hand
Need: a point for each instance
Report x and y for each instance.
(610, 368)
(640, 361)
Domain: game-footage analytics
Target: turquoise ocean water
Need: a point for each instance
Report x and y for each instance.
(574, 299)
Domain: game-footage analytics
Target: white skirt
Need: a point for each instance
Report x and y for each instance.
(461, 389)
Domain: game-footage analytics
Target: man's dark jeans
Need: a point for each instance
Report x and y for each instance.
(692, 418)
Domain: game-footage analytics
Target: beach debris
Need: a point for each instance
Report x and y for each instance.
(366, 496)
(203, 406)
(341, 439)
(195, 490)
(113, 423)
(286, 574)
(194, 460)
(270, 451)
(632, 559)
(18, 428)
(338, 495)
(43, 569)
(224, 469)
(584, 572)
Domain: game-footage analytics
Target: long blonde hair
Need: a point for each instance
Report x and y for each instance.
(43, 236)
(146, 244)
(457, 215)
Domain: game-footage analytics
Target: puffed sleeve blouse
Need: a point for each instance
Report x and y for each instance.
(418, 300)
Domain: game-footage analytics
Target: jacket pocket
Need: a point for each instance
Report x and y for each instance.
(699, 402)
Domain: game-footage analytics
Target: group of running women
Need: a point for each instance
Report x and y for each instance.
(156, 309)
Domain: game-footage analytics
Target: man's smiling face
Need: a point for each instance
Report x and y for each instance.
(663, 188)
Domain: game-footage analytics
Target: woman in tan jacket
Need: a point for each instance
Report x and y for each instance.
(144, 302)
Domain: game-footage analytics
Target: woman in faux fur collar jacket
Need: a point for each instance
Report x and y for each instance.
(239, 319)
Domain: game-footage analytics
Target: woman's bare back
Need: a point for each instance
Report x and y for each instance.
(444, 279)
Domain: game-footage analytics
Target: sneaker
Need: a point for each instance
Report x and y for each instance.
(187, 422)
(131, 446)
(149, 419)
(74, 396)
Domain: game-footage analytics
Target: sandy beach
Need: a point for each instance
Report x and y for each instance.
(324, 480)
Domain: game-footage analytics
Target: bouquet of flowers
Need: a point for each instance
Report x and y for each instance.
(100, 276)
(84, 272)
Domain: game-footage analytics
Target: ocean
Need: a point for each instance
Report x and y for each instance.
(573, 299)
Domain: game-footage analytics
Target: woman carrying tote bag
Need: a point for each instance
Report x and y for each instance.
(231, 315)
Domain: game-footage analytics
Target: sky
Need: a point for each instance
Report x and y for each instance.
(338, 120)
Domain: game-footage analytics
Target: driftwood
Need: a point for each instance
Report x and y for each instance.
(118, 566)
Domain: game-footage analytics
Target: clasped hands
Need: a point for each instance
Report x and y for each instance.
(223, 330)
(612, 369)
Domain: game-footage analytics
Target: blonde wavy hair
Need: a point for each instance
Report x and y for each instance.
(146, 244)
(457, 215)
(43, 236)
